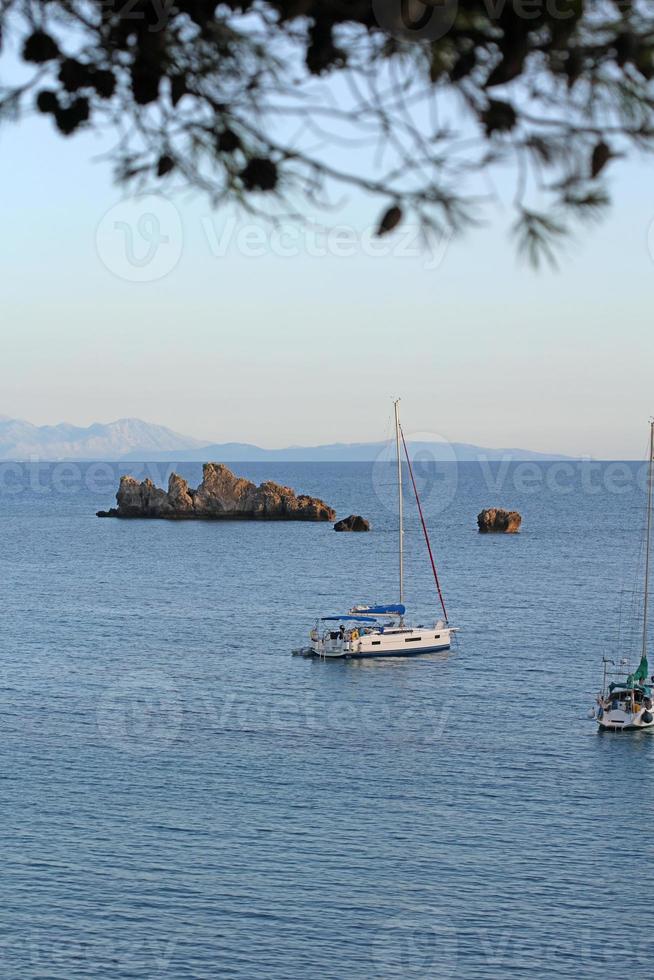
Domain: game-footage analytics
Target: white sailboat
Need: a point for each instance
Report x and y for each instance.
(626, 701)
(381, 630)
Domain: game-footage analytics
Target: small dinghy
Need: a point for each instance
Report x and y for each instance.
(382, 630)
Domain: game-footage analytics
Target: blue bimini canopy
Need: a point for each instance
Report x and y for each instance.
(340, 619)
(392, 610)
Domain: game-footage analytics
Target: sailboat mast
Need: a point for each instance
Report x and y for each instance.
(648, 541)
(399, 497)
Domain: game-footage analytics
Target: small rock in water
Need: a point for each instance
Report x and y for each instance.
(352, 523)
(495, 521)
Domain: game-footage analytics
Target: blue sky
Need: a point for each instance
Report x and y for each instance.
(307, 349)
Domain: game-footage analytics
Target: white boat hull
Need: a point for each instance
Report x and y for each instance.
(396, 642)
(618, 720)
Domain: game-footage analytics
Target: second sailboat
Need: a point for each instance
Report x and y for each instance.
(381, 630)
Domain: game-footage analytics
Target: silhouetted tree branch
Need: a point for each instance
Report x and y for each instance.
(280, 104)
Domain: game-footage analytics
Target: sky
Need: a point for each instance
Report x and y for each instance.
(247, 338)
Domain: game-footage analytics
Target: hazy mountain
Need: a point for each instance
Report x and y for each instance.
(133, 439)
(343, 452)
(116, 440)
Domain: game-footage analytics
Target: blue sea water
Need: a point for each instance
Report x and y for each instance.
(181, 798)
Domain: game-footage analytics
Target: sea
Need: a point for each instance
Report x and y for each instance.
(183, 798)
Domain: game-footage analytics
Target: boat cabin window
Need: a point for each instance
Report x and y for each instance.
(625, 699)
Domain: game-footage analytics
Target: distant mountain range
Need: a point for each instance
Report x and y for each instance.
(117, 440)
(342, 452)
(133, 439)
